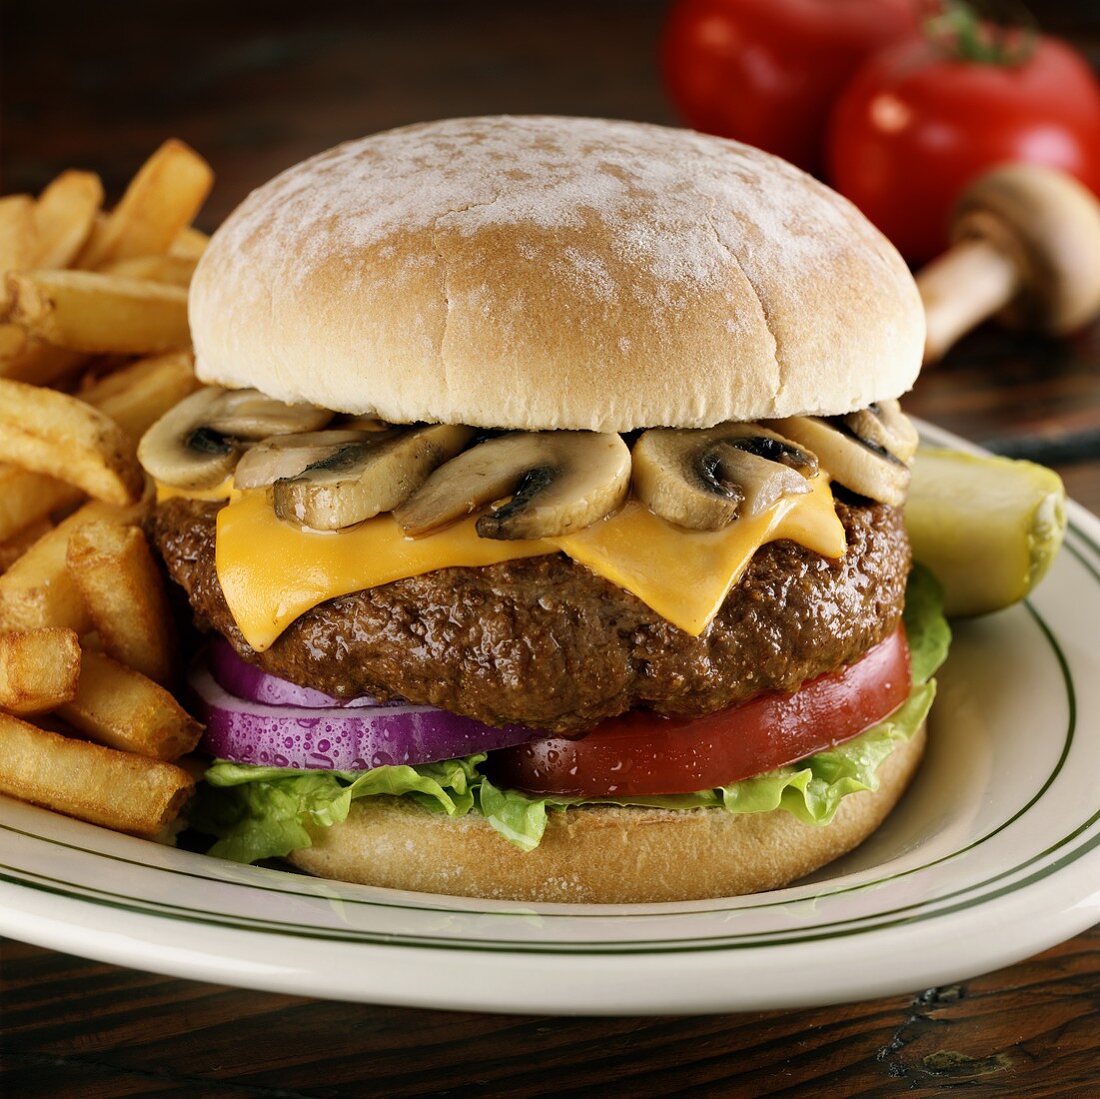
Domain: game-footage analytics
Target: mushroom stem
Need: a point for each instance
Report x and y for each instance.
(1026, 247)
(965, 286)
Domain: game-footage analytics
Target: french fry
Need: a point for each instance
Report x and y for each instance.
(170, 270)
(14, 548)
(18, 240)
(86, 636)
(136, 396)
(25, 359)
(18, 235)
(33, 360)
(13, 342)
(190, 244)
(99, 313)
(27, 498)
(99, 227)
(39, 670)
(85, 628)
(49, 432)
(161, 201)
(126, 792)
(38, 589)
(64, 216)
(124, 592)
(124, 709)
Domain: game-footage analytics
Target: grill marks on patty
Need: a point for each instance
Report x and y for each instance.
(545, 642)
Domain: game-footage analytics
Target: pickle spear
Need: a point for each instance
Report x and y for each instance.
(987, 527)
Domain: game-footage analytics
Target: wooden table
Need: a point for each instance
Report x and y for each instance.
(256, 88)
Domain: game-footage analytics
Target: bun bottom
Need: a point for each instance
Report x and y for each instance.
(600, 854)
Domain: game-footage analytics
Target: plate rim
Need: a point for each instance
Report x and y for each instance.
(618, 992)
(697, 944)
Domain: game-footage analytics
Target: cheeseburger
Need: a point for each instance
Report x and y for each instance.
(543, 514)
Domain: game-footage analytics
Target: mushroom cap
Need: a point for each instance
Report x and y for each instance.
(1049, 224)
(541, 273)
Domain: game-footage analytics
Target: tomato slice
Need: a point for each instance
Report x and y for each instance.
(642, 753)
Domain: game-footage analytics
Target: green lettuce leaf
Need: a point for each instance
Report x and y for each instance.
(262, 812)
(926, 628)
(518, 817)
(265, 812)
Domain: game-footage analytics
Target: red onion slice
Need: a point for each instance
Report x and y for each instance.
(253, 684)
(336, 738)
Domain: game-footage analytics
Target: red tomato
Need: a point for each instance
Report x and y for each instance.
(644, 753)
(915, 127)
(767, 71)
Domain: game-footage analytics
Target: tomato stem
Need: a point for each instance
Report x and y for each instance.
(1003, 37)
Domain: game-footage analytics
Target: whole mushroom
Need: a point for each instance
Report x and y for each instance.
(196, 444)
(1026, 247)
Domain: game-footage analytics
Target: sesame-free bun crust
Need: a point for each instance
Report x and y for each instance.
(601, 855)
(536, 272)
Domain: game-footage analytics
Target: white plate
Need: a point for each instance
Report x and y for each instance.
(993, 855)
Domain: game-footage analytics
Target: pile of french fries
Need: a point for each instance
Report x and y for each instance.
(94, 347)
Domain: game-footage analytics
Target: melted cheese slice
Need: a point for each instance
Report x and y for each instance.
(271, 572)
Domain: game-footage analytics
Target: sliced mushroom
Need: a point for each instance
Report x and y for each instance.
(850, 461)
(885, 427)
(288, 455)
(705, 479)
(362, 423)
(179, 450)
(559, 481)
(197, 443)
(248, 415)
(363, 478)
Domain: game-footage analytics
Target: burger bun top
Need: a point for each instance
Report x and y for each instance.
(540, 273)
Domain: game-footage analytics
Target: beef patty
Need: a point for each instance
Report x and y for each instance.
(544, 642)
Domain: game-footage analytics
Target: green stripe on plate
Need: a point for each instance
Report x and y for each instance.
(743, 907)
(905, 914)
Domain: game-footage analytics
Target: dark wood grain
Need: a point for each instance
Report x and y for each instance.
(75, 1027)
(256, 87)
(1020, 394)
